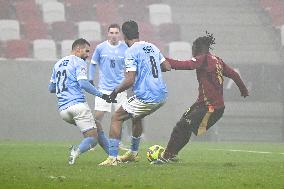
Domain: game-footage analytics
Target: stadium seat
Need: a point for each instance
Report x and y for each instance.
(44, 49)
(90, 30)
(169, 32)
(80, 12)
(282, 35)
(40, 2)
(160, 13)
(63, 30)
(107, 13)
(146, 31)
(9, 29)
(53, 12)
(66, 47)
(94, 45)
(17, 49)
(130, 11)
(267, 4)
(276, 13)
(77, 3)
(180, 50)
(2, 49)
(35, 29)
(26, 10)
(6, 10)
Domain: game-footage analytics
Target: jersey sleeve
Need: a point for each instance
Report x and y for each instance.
(81, 69)
(161, 57)
(130, 62)
(192, 64)
(53, 77)
(96, 55)
(231, 73)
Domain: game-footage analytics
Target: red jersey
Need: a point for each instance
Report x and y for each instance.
(210, 71)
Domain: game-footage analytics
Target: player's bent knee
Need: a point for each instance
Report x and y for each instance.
(91, 133)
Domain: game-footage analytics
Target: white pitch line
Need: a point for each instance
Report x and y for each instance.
(248, 151)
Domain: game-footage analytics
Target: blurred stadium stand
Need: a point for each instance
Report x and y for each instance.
(9, 29)
(53, 12)
(249, 36)
(44, 49)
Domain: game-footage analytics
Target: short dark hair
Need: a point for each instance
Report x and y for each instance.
(204, 42)
(80, 42)
(130, 29)
(114, 26)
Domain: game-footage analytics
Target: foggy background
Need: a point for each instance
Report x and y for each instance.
(248, 38)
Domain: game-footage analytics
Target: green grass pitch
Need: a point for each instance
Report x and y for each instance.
(39, 165)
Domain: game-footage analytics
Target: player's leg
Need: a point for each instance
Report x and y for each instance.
(217, 114)
(83, 119)
(114, 136)
(121, 98)
(181, 133)
(137, 130)
(101, 107)
(102, 138)
(138, 110)
(132, 153)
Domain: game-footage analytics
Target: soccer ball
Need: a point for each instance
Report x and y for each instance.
(154, 152)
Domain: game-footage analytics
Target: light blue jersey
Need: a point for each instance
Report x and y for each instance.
(111, 63)
(66, 74)
(145, 58)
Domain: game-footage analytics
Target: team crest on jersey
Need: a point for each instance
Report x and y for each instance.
(148, 49)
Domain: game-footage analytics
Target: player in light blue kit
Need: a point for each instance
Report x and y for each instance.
(69, 77)
(144, 64)
(109, 56)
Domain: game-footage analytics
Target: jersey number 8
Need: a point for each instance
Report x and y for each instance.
(154, 67)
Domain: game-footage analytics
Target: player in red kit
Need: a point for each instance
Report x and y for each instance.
(209, 107)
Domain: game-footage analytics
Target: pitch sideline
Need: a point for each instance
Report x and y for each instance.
(247, 151)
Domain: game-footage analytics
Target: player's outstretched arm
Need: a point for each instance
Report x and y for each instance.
(52, 87)
(88, 87)
(192, 64)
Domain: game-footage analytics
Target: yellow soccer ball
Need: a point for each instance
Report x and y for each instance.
(154, 152)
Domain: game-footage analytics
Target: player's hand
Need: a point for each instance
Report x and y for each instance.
(244, 93)
(108, 99)
(91, 81)
(113, 95)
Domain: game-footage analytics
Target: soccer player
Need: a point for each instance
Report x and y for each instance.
(69, 77)
(109, 56)
(209, 107)
(144, 64)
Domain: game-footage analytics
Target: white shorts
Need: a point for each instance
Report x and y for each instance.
(102, 105)
(80, 115)
(138, 109)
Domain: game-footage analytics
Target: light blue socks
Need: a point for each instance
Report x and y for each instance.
(103, 141)
(113, 147)
(86, 144)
